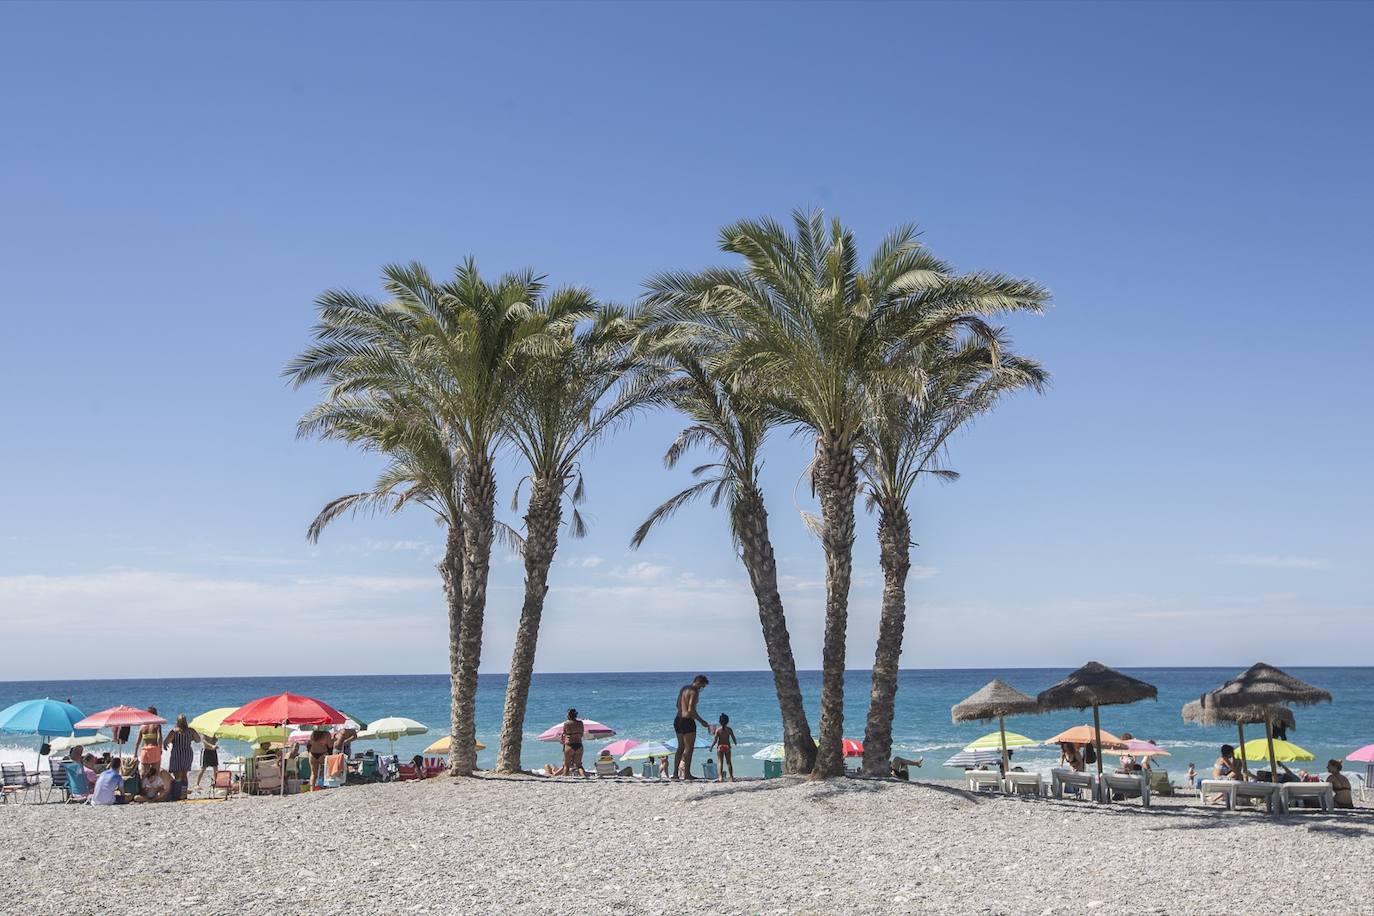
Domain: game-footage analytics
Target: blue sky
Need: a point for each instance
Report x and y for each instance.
(178, 182)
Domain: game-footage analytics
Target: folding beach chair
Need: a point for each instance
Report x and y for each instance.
(58, 782)
(13, 780)
(224, 782)
(78, 789)
(405, 773)
(606, 768)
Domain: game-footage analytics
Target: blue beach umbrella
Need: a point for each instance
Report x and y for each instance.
(48, 718)
(703, 741)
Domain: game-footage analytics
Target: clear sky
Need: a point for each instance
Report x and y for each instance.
(1193, 181)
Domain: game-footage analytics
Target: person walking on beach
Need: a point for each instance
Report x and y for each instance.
(179, 740)
(573, 731)
(685, 726)
(724, 738)
(209, 759)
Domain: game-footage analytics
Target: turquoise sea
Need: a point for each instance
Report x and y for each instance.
(640, 706)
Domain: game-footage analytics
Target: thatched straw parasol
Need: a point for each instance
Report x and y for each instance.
(1199, 713)
(1095, 685)
(996, 700)
(1264, 688)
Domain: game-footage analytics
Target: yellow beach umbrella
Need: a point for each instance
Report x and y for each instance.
(1285, 751)
(993, 741)
(445, 744)
(212, 723)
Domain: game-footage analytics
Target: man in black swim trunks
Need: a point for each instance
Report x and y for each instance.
(685, 726)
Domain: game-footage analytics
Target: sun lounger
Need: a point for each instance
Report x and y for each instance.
(1233, 790)
(1159, 783)
(978, 780)
(1061, 778)
(1323, 793)
(1127, 785)
(1025, 784)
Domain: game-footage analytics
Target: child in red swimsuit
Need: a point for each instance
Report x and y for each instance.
(724, 738)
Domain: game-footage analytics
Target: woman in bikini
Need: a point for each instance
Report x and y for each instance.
(724, 737)
(150, 742)
(573, 730)
(320, 746)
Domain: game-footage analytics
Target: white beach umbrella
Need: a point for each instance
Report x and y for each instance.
(771, 752)
(391, 728)
(67, 742)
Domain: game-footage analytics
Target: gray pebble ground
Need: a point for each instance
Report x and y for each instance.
(527, 845)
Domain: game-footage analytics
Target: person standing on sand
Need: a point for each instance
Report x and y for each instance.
(685, 726)
(573, 732)
(725, 736)
(150, 742)
(179, 741)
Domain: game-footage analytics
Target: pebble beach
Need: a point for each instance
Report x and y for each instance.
(530, 845)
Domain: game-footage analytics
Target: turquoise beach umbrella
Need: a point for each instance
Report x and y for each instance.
(45, 717)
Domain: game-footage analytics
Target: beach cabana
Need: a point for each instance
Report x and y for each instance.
(1264, 688)
(1198, 714)
(996, 700)
(1095, 685)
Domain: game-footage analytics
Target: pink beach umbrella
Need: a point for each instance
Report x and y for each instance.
(1137, 748)
(623, 746)
(1363, 755)
(590, 729)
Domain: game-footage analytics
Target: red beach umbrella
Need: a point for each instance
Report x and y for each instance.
(119, 716)
(285, 709)
(852, 747)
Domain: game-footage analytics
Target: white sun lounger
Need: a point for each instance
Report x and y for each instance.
(1323, 793)
(1231, 790)
(1025, 784)
(984, 779)
(1061, 777)
(1131, 785)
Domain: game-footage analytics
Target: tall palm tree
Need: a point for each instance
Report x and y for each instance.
(451, 349)
(570, 396)
(813, 329)
(728, 422)
(904, 439)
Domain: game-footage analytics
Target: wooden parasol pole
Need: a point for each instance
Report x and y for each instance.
(1244, 764)
(1002, 726)
(1097, 739)
(1269, 737)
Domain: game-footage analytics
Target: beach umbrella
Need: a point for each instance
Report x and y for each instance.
(287, 709)
(852, 747)
(1363, 755)
(67, 742)
(970, 759)
(1263, 687)
(445, 744)
(117, 717)
(702, 741)
(391, 728)
(1095, 685)
(996, 700)
(645, 751)
(1286, 751)
(771, 752)
(993, 741)
(1087, 734)
(1199, 714)
(620, 748)
(1137, 748)
(212, 723)
(590, 729)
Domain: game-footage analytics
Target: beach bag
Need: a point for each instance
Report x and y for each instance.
(1089, 755)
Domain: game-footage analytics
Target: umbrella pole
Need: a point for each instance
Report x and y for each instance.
(1097, 739)
(1244, 764)
(1269, 737)
(1002, 726)
(286, 739)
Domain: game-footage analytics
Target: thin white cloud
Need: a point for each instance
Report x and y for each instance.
(639, 572)
(583, 562)
(1274, 561)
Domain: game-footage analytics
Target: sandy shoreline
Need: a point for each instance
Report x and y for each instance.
(529, 845)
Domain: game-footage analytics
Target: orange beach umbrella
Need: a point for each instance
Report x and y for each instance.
(1084, 734)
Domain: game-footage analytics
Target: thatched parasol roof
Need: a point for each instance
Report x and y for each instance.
(1095, 685)
(997, 698)
(1200, 713)
(1262, 686)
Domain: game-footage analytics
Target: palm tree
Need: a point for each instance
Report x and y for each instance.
(903, 440)
(734, 426)
(813, 330)
(450, 349)
(559, 412)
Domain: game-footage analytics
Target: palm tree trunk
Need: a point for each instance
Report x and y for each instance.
(894, 553)
(837, 478)
(451, 570)
(542, 519)
(479, 511)
(799, 749)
